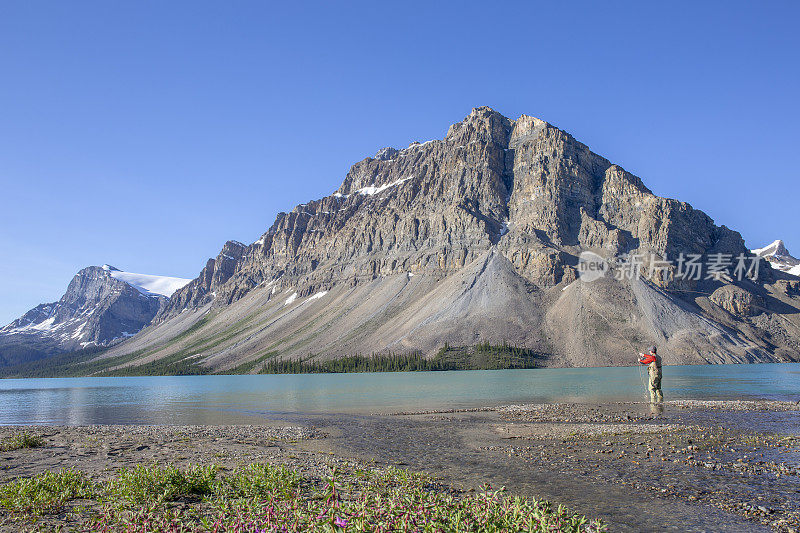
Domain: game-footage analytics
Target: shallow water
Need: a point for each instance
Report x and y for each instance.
(249, 399)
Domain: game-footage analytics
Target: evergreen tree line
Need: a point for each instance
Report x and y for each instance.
(483, 356)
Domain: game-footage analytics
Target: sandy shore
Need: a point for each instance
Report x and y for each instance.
(696, 466)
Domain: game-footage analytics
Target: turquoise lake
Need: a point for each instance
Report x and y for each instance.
(249, 399)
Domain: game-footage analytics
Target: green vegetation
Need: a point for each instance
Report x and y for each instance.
(483, 356)
(144, 484)
(264, 497)
(85, 362)
(479, 357)
(16, 354)
(487, 356)
(183, 362)
(46, 493)
(178, 364)
(259, 480)
(354, 363)
(247, 366)
(62, 365)
(19, 441)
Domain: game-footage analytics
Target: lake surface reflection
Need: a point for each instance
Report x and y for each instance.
(250, 399)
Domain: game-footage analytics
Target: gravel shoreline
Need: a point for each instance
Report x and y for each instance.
(728, 465)
(704, 452)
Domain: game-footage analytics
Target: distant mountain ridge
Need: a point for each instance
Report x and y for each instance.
(779, 257)
(102, 305)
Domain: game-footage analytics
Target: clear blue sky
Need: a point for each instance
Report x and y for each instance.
(146, 134)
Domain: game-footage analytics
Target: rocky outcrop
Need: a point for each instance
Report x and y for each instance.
(217, 272)
(738, 301)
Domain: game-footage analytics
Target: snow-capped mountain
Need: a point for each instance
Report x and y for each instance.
(779, 257)
(101, 305)
(148, 284)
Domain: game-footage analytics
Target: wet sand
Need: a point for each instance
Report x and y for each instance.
(696, 466)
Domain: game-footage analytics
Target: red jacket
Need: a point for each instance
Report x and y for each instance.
(646, 358)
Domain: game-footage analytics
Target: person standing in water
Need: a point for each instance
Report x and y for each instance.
(653, 362)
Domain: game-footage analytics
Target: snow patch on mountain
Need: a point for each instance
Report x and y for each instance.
(779, 257)
(372, 190)
(148, 284)
(290, 299)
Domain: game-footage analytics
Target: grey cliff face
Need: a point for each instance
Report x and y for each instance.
(523, 186)
(497, 203)
(96, 310)
(214, 275)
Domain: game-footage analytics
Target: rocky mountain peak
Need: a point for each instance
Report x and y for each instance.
(482, 124)
(779, 257)
(525, 128)
(775, 249)
(101, 305)
(386, 154)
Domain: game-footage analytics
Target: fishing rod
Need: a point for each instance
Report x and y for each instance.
(641, 367)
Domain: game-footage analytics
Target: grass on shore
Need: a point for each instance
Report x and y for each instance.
(264, 497)
(19, 441)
